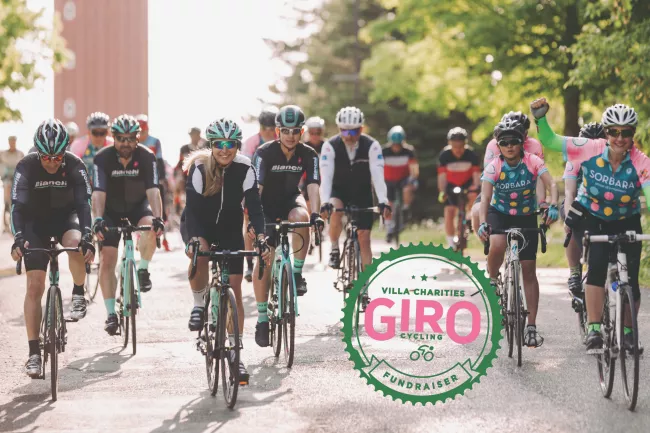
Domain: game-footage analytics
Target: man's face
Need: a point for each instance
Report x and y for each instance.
(195, 136)
(350, 136)
(457, 145)
(98, 136)
(315, 136)
(51, 164)
(290, 137)
(126, 144)
(267, 133)
(12, 143)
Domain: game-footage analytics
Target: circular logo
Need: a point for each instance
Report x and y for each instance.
(579, 141)
(431, 324)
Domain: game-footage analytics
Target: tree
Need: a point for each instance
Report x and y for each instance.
(23, 44)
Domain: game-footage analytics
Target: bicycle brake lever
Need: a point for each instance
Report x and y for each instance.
(19, 264)
(194, 256)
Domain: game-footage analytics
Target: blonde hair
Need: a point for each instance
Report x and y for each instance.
(213, 173)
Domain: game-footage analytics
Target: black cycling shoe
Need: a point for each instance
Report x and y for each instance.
(594, 341)
(111, 325)
(335, 260)
(628, 344)
(262, 334)
(196, 319)
(143, 279)
(33, 366)
(301, 284)
(532, 338)
(575, 285)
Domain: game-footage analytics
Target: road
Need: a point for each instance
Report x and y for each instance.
(163, 388)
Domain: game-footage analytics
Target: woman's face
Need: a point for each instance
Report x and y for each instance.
(224, 151)
(510, 147)
(620, 138)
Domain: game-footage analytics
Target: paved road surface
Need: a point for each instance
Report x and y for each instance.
(163, 388)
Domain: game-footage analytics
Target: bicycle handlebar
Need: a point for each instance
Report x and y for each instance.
(625, 238)
(541, 230)
(51, 252)
(220, 254)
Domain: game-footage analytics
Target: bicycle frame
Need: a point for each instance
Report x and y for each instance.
(512, 258)
(128, 256)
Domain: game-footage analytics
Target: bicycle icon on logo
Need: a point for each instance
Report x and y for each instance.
(424, 351)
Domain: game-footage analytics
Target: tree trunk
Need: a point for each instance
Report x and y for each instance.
(572, 93)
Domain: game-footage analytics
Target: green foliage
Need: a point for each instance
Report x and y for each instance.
(23, 43)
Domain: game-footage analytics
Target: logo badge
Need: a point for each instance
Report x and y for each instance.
(431, 327)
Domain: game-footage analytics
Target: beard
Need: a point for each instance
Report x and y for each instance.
(125, 152)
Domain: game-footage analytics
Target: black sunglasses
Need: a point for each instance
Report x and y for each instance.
(625, 133)
(128, 139)
(510, 142)
(99, 132)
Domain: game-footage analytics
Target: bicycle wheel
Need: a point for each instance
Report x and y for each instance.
(275, 321)
(121, 310)
(92, 278)
(343, 274)
(461, 231)
(507, 317)
(288, 321)
(133, 303)
(230, 349)
(605, 362)
(355, 268)
(54, 300)
(211, 362)
(629, 360)
(518, 322)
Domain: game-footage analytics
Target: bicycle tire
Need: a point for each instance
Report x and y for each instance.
(605, 364)
(462, 229)
(92, 278)
(211, 363)
(275, 321)
(357, 266)
(397, 220)
(630, 390)
(53, 312)
(518, 319)
(509, 328)
(133, 305)
(288, 315)
(120, 310)
(230, 381)
(344, 271)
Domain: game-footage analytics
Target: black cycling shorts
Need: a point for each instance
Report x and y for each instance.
(272, 214)
(114, 219)
(600, 253)
(364, 220)
(39, 232)
(501, 221)
(452, 198)
(231, 240)
(393, 187)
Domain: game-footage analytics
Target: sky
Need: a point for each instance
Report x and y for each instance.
(224, 64)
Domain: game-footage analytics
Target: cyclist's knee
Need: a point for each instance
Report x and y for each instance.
(71, 239)
(364, 237)
(108, 257)
(35, 284)
(497, 244)
(298, 214)
(529, 269)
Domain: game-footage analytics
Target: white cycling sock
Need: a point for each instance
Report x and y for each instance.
(198, 298)
(450, 241)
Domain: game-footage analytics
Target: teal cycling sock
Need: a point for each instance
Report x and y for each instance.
(262, 312)
(594, 327)
(110, 305)
(144, 264)
(627, 330)
(297, 266)
(576, 270)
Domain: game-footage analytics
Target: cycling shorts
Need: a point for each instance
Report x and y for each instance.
(231, 240)
(113, 219)
(452, 198)
(393, 187)
(364, 220)
(38, 234)
(281, 212)
(501, 221)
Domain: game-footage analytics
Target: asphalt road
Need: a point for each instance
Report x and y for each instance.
(163, 388)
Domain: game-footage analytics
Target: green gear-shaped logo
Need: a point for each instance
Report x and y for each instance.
(449, 381)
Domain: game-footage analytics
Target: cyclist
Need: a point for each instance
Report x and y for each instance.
(352, 164)
(266, 133)
(87, 147)
(8, 161)
(73, 130)
(279, 165)
(458, 167)
(401, 170)
(592, 130)
(50, 198)
(492, 151)
(614, 173)
(213, 208)
(509, 185)
(196, 142)
(126, 186)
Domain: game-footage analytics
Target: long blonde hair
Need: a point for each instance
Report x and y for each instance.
(213, 173)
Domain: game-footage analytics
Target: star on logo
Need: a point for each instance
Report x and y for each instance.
(413, 277)
(424, 277)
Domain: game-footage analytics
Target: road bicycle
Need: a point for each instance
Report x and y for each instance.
(92, 278)
(462, 223)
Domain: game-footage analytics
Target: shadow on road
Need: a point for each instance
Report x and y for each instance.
(24, 410)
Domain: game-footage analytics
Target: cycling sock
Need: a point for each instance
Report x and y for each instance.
(144, 264)
(450, 241)
(34, 347)
(249, 262)
(575, 270)
(199, 300)
(78, 290)
(297, 266)
(110, 305)
(627, 330)
(262, 312)
(594, 327)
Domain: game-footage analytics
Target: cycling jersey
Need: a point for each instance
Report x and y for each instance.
(396, 165)
(154, 145)
(84, 149)
(280, 177)
(37, 195)
(8, 162)
(251, 144)
(514, 187)
(459, 170)
(125, 187)
(530, 145)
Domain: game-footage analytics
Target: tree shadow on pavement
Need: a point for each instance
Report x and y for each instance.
(24, 410)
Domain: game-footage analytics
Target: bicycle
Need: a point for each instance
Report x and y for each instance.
(315, 242)
(283, 302)
(220, 316)
(130, 301)
(462, 223)
(54, 333)
(613, 316)
(578, 302)
(92, 278)
(513, 300)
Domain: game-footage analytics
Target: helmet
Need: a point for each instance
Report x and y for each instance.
(51, 138)
(457, 133)
(267, 116)
(290, 116)
(620, 115)
(143, 120)
(396, 134)
(125, 124)
(592, 130)
(510, 127)
(315, 122)
(517, 117)
(97, 120)
(349, 118)
(223, 129)
(72, 128)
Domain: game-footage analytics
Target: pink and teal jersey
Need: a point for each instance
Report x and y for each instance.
(514, 187)
(530, 145)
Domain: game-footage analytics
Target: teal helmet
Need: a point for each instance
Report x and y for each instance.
(396, 134)
(51, 138)
(223, 129)
(125, 124)
(290, 116)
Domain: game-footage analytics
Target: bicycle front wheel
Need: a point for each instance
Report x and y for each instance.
(122, 310)
(288, 321)
(230, 347)
(54, 336)
(629, 358)
(211, 361)
(133, 304)
(398, 221)
(605, 362)
(518, 321)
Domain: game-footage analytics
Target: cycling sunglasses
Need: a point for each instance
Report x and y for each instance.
(224, 144)
(316, 132)
(49, 158)
(128, 139)
(292, 131)
(99, 132)
(510, 142)
(350, 132)
(625, 133)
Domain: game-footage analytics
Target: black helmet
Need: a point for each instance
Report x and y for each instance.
(98, 120)
(457, 133)
(517, 117)
(290, 116)
(267, 116)
(592, 130)
(510, 127)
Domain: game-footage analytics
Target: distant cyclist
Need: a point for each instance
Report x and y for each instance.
(86, 147)
(73, 131)
(401, 170)
(315, 130)
(196, 142)
(8, 160)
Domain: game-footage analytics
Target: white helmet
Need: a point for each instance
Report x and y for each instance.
(620, 115)
(349, 118)
(72, 128)
(315, 122)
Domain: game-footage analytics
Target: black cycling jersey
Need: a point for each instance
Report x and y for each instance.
(38, 195)
(279, 177)
(125, 187)
(222, 211)
(317, 148)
